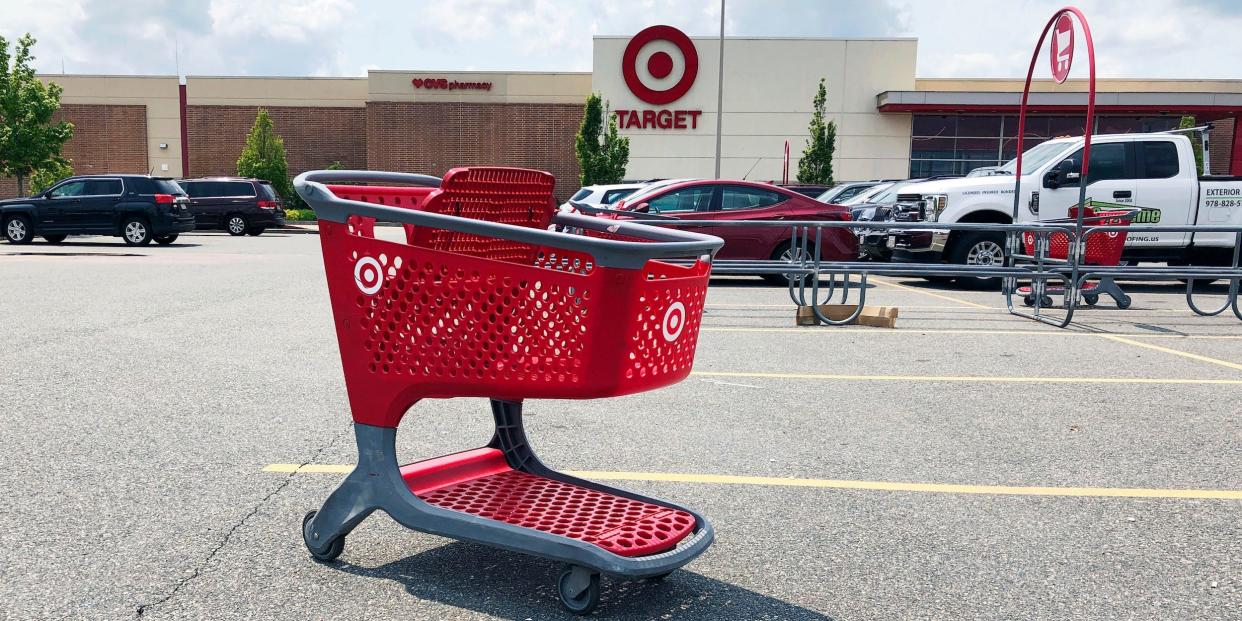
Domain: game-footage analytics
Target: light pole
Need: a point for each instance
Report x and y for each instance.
(720, 89)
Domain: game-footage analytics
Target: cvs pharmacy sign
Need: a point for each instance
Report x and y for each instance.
(660, 64)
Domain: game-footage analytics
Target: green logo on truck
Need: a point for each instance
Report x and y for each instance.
(1142, 215)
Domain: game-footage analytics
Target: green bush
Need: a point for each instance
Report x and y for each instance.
(300, 215)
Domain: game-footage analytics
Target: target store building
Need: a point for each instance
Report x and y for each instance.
(662, 86)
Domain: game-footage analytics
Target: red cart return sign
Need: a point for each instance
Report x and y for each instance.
(1061, 52)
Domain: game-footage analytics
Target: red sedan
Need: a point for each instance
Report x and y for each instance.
(716, 200)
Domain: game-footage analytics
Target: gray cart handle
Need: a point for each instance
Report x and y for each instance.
(664, 243)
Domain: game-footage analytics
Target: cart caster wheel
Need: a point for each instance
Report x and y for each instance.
(334, 550)
(1091, 298)
(1046, 301)
(1028, 300)
(578, 588)
(1124, 303)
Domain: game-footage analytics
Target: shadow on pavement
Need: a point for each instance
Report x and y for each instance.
(515, 586)
(73, 254)
(742, 282)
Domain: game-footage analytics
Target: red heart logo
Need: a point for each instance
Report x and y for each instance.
(418, 82)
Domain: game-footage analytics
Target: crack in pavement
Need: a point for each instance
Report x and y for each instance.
(142, 609)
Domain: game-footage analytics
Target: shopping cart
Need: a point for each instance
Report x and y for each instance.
(482, 300)
(1103, 248)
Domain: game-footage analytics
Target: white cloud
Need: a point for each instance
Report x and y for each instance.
(982, 38)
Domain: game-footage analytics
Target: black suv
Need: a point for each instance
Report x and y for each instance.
(138, 208)
(237, 205)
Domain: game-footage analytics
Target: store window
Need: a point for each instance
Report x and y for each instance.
(957, 144)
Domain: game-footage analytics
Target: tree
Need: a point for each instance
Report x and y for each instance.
(263, 157)
(28, 137)
(816, 163)
(1196, 141)
(48, 173)
(600, 160)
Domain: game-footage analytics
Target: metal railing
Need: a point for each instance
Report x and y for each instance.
(805, 269)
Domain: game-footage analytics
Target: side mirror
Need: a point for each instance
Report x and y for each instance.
(1052, 180)
(645, 208)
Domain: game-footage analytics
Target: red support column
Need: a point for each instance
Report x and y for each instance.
(185, 140)
(1235, 153)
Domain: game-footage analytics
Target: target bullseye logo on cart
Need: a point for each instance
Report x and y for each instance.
(368, 275)
(674, 321)
(659, 65)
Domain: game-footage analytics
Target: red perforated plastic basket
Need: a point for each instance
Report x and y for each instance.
(1102, 248)
(450, 314)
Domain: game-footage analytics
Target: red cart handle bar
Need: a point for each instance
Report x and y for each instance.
(663, 243)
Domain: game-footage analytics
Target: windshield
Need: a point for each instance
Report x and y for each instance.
(842, 191)
(865, 197)
(167, 186)
(639, 195)
(1034, 157)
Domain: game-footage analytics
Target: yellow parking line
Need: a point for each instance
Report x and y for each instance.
(883, 486)
(922, 332)
(1184, 354)
(983, 379)
(929, 293)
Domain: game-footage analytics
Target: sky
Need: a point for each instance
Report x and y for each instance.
(962, 38)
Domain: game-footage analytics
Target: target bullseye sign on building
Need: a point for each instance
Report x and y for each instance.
(661, 85)
(659, 76)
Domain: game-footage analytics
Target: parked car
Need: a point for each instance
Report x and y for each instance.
(137, 208)
(714, 200)
(806, 189)
(880, 206)
(1154, 175)
(842, 192)
(238, 205)
(602, 195)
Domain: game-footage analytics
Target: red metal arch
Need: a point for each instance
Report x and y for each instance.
(1026, 91)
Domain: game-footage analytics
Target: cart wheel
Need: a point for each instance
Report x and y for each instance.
(334, 550)
(1091, 298)
(1028, 299)
(1124, 302)
(575, 597)
(1046, 301)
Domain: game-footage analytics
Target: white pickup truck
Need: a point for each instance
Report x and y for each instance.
(1152, 172)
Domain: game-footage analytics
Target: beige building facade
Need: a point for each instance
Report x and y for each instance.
(660, 85)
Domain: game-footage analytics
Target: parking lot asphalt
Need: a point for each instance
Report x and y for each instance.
(159, 404)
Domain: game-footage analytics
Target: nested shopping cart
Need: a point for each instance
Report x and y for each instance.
(1102, 248)
(483, 300)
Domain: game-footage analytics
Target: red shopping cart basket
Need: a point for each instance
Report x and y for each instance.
(482, 300)
(1103, 248)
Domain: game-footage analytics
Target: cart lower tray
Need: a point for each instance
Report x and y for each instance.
(480, 482)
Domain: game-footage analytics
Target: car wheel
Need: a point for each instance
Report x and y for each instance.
(236, 224)
(135, 231)
(164, 240)
(787, 253)
(256, 231)
(55, 239)
(984, 249)
(17, 230)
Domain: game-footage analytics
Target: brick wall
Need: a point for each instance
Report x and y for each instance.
(1220, 144)
(314, 137)
(106, 139)
(431, 138)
